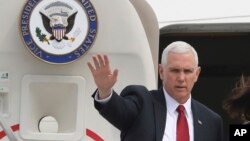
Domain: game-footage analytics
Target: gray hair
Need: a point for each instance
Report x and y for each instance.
(178, 47)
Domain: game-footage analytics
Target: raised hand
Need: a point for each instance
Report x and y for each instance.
(104, 77)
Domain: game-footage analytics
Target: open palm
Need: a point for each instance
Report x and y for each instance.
(104, 77)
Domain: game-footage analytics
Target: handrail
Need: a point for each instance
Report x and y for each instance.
(8, 131)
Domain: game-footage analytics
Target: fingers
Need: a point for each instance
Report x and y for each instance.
(103, 75)
(106, 60)
(99, 61)
(96, 62)
(92, 69)
(115, 74)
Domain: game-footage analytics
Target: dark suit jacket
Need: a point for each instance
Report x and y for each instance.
(140, 115)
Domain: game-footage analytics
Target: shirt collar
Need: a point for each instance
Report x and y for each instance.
(172, 104)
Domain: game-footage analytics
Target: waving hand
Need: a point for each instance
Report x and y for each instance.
(104, 77)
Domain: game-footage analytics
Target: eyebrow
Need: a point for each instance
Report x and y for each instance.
(173, 67)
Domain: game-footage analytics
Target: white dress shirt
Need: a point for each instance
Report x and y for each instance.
(172, 115)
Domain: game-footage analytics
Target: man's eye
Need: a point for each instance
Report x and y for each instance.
(188, 71)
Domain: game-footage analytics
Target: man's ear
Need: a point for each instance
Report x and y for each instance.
(198, 71)
(160, 67)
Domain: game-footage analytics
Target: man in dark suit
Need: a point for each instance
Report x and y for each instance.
(166, 114)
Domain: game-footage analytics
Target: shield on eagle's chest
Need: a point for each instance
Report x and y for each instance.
(58, 32)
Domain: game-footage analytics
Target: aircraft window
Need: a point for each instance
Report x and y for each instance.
(48, 124)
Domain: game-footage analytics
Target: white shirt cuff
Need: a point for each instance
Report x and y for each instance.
(103, 101)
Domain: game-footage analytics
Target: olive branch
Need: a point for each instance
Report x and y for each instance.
(41, 36)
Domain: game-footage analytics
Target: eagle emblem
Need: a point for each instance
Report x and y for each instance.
(58, 20)
(58, 31)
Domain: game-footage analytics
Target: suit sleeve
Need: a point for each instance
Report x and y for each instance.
(122, 110)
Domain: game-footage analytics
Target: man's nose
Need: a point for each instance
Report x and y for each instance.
(181, 76)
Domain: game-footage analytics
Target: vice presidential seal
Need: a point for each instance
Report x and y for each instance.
(58, 31)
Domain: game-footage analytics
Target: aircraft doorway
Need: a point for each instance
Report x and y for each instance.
(224, 55)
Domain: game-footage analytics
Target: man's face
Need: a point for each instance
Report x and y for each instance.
(179, 75)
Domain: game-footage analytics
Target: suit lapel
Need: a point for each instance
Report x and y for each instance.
(160, 113)
(198, 123)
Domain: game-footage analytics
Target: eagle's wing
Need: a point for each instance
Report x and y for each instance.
(71, 21)
(46, 23)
